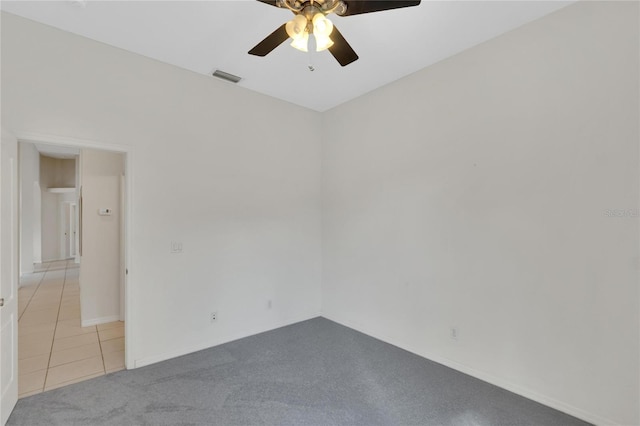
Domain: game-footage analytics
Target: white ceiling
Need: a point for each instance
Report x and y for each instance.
(202, 36)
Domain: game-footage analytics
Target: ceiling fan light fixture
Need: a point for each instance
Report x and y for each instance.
(301, 43)
(321, 25)
(297, 27)
(322, 42)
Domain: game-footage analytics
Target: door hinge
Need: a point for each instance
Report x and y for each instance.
(1, 302)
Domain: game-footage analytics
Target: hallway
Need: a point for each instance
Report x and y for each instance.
(53, 349)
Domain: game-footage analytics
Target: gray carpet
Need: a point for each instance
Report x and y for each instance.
(312, 373)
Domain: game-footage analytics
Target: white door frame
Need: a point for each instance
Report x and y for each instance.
(73, 229)
(9, 267)
(128, 249)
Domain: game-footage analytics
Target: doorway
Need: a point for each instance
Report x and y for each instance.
(65, 335)
(68, 229)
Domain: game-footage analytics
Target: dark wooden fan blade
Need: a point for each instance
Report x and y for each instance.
(271, 2)
(357, 7)
(341, 50)
(272, 41)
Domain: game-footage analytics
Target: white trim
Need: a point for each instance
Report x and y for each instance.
(42, 139)
(486, 377)
(55, 260)
(101, 320)
(209, 344)
(25, 136)
(27, 272)
(61, 190)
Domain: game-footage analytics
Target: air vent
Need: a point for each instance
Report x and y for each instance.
(226, 76)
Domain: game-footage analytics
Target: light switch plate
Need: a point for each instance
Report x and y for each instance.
(176, 247)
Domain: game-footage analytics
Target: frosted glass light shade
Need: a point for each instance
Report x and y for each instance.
(297, 27)
(301, 43)
(322, 42)
(321, 25)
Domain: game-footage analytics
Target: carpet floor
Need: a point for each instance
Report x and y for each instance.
(311, 373)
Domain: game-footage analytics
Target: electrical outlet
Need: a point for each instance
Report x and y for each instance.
(213, 316)
(453, 333)
(176, 247)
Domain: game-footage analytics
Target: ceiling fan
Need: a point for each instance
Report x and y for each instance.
(311, 19)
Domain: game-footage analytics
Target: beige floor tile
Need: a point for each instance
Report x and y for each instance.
(29, 365)
(74, 354)
(75, 322)
(51, 283)
(62, 332)
(109, 325)
(70, 304)
(71, 314)
(26, 394)
(47, 305)
(25, 294)
(45, 301)
(31, 321)
(44, 291)
(113, 360)
(31, 381)
(67, 297)
(48, 288)
(70, 295)
(25, 330)
(46, 296)
(113, 345)
(74, 370)
(53, 296)
(52, 280)
(30, 279)
(74, 341)
(70, 382)
(34, 345)
(20, 311)
(111, 333)
(69, 310)
(49, 313)
(46, 334)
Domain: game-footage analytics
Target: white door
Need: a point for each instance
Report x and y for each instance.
(8, 275)
(66, 228)
(72, 227)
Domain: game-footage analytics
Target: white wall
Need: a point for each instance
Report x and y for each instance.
(474, 194)
(100, 266)
(216, 167)
(29, 208)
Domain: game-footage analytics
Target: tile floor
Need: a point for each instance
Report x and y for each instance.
(53, 349)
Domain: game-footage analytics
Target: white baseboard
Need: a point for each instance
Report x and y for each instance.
(24, 274)
(101, 320)
(55, 260)
(141, 362)
(486, 377)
